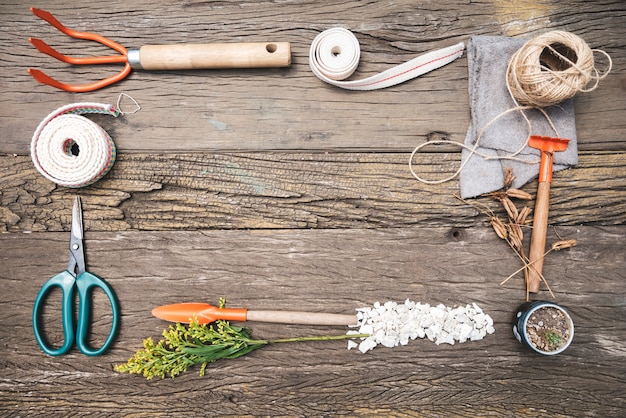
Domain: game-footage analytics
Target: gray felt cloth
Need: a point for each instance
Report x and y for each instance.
(487, 58)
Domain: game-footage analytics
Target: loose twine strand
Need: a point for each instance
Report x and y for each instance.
(545, 71)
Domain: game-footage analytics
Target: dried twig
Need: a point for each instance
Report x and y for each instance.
(512, 230)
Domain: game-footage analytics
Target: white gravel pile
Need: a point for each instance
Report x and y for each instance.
(392, 324)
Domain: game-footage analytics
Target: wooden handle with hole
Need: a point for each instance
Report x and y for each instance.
(538, 237)
(214, 56)
(304, 318)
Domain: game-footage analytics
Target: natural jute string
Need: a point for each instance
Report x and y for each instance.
(551, 68)
(545, 71)
(335, 54)
(71, 150)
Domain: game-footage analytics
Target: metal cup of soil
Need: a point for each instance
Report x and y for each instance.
(544, 327)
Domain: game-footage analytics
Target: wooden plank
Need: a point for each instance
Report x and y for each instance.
(277, 191)
(290, 109)
(329, 270)
(288, 190)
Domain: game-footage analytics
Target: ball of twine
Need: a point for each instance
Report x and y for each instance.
(551, 68)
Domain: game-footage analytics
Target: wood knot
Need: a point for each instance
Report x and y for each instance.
(437, 136)
(457, 234)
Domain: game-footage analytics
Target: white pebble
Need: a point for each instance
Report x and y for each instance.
(392, 324)
(367, 344)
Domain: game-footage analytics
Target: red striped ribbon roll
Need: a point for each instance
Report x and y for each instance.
(71, 150)
(335, 54)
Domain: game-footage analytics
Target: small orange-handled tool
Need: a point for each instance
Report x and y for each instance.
(206, 313)
(548, 146)
(160, 57)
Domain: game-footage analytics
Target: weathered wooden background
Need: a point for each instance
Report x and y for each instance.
(274, 190)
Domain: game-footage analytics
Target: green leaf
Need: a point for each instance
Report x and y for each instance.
(245, 350)
(203, 351)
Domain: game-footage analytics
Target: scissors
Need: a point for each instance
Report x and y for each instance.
(75, 277)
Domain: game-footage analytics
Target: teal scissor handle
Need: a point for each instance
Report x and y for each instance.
(84, 284)
(65, 280)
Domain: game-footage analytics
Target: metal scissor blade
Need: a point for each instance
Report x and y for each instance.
(77, 219)
(76, 264)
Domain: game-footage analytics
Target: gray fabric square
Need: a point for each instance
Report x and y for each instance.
(489, 97)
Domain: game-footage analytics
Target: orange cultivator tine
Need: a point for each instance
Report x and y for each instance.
(46, 49)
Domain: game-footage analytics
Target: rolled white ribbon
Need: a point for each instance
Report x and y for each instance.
(335, 54)
(71, 150)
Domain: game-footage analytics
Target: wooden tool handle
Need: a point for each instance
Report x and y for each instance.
(305, 318)
(214, 56)
(538, 238)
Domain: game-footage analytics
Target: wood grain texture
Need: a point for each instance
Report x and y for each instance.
(290, 190)
(290, 109)
(330, 270)
(277, 191)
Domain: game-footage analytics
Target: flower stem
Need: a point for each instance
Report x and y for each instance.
(319, 338)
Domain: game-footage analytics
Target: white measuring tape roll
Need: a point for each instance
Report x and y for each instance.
(71, 150)
(335, 55)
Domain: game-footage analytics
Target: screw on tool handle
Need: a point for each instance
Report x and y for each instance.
(211, 56)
